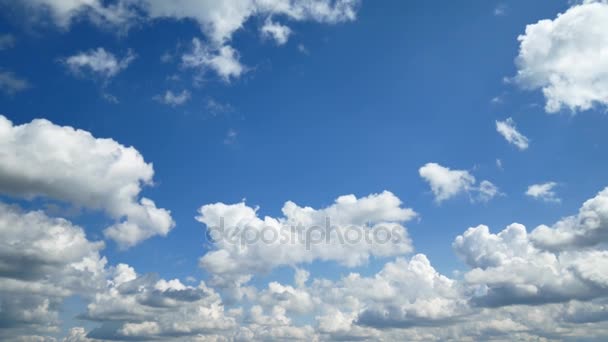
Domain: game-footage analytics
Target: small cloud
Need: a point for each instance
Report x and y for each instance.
(217, 108)
(446, 183)
(501, 10)
(303, 49)
(499, 164)
(98, 62)
(11, 84)
(223, 60)
(509, 131)
(231, 137)
(271, 30)
(173, 99)
(496, 100)
(544, 192)
(110, 98)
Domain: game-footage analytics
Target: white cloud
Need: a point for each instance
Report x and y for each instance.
(588, 228)
(146, 307)
(446, 183)
(566, 58)
(223, 60)
(250, 244)
(174, 99)
(509, 269)
(11, 84)
(218, 20)
(501, 10)
(42, 261)
(98, 62)
(280, 33)
(543, 192)
(41, 159)
(508, 130)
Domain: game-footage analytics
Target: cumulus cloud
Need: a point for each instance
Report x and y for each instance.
(551, 264)
(588, 228)
(508, 130)
(10, 84)
(41, 159)
(280, 33)
(544, 192)
(42, 261)
(566, 58)
(343, 232)
(446, 183)
(509, 268)
(98, 62)
(223, 60)
(136, 306)
(174, 99)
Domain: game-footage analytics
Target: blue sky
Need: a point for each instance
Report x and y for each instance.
(355, 101)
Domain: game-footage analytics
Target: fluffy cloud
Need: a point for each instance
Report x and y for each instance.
(588, 228)
(11, 84)
(98, 62)
(446, 183)
(508, 130)
(280, 33)
(566, 58)
(509, 269)
(543, 192)
(41, 159)
(42, 261)
(172, 99)
(145, 307)
(223, 60)
(349, 232)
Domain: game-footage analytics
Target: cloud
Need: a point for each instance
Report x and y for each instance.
(446, 183)
(98, 62)
(11, 84)
(218, 21)
(146, 307)
(223, 60)
(171, 99)
(231, 137)
(41, 159)
(588, 228)
(7, 41)
(566, 58)
(508, 268)
(508, 130)
(543, 192)
(303, 235)
(43, 260)
(280, 33)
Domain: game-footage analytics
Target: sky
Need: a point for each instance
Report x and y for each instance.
(313, 170)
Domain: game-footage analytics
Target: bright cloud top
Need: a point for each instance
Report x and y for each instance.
(509, 131)
(566, 58)
(336, 233)
(41, 159)
(447, 183)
